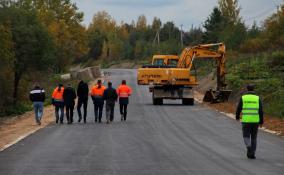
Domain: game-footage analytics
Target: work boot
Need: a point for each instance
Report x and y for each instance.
(249, 153)
(79, 120)
(253, 156)
(56, 121)
(122, 117)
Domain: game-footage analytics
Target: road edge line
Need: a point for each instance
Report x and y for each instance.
(19, 139)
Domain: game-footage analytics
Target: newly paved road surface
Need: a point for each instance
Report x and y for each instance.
(170, 139)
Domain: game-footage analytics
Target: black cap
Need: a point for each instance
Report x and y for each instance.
(250, 87)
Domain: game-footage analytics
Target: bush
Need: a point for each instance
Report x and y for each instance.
(17, 109)
(274, 103)
(276, 62)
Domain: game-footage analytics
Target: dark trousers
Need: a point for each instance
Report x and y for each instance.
(98, 112)
(110, 111)
(69, 113)
(85, 104)
(123, 110)
(61, 109)
(250, 135)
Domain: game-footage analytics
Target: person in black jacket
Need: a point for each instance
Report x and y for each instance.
(83, 95)
(37, 96)
(110, 96)
(69, 97)
(250, 111)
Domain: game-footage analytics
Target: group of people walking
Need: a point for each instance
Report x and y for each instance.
(249, 108)
(64, 97)
(100, 93)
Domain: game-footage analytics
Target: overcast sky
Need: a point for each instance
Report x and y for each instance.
(186, 12)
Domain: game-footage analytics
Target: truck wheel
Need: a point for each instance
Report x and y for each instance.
(188, 101)
(157, 101)
(160, 101)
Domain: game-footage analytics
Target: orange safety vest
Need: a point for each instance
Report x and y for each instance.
(98, 91)
(58, 95)
(124, 91)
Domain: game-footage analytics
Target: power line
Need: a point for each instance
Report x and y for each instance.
(261, 14)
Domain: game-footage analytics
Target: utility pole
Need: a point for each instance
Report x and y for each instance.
(158, 36)
(181, 36)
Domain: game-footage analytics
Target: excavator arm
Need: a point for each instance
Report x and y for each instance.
(214, 51)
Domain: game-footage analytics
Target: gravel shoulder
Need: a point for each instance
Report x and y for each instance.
(16, 128)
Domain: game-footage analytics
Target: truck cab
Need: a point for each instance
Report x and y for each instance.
(165, 60)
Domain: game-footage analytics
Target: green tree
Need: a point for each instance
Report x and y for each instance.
(169, 32)
(156, 24)
(254, 31)
(96, 42)
(233, 35)
(274, 29)
(141, 22)
(31, 43)
(6, 65)
(234, 31)
(213, 26)
(193, 37)
(230, 10)
(63, 21)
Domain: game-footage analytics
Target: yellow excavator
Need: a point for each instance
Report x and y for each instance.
(177, 81)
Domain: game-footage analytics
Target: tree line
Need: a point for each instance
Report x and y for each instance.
(39, 38)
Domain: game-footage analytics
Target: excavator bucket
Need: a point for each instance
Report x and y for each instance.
(214, 96)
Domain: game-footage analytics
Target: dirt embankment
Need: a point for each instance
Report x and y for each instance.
(13, 129)
(271, 123)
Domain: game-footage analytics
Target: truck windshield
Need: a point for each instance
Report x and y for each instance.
(172, 62)
(158, 61)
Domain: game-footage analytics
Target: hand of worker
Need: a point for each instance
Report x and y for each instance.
(260, 125)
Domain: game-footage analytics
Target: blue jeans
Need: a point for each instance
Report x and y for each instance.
(61, 116)
(38, 108)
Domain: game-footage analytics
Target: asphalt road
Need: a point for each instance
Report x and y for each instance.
(170, 139)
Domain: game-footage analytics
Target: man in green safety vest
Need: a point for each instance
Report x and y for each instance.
(250, 110)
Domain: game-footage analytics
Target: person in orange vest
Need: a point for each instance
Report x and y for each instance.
(123, 92)
(97, 93)
(58, 102)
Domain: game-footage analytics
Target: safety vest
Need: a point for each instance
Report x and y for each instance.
(58, 95)
(98, 91)
(250, 108)
(124, 91)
